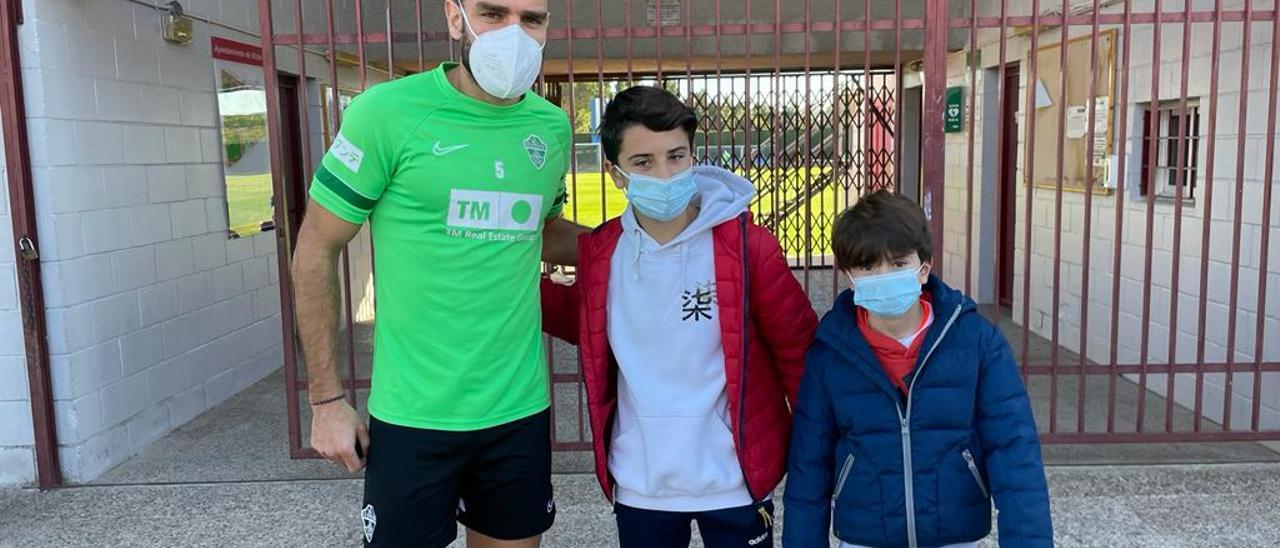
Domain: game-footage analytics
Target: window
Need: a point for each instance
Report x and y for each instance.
(1169, 130)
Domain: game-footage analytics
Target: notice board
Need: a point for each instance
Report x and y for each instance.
(1071, 130)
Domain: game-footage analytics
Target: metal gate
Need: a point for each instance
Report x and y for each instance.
(1131, 231)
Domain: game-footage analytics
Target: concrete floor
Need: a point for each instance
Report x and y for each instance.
(225, 479)
(1105, 506)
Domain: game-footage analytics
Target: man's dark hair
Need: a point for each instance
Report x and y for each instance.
(882, 225)
(654, 108)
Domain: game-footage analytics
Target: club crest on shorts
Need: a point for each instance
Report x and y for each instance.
(370, 519)
(537, 150)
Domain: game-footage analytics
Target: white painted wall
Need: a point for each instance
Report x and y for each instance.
(154, 315)
(17, 455)
(1133, 279)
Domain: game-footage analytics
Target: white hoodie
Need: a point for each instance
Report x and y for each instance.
(672, 449)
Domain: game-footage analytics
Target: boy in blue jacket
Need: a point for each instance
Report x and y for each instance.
(912, 416)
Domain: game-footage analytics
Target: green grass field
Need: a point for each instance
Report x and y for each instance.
(248, 202)
(594, 199)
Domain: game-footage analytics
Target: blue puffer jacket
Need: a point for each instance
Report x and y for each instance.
(966, 435)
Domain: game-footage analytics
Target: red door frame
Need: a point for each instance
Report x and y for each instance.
(1008, 188)
(295, 184)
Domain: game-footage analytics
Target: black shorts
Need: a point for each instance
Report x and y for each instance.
(419, 484)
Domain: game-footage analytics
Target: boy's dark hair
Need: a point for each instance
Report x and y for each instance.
(882, 225)
(655, 108)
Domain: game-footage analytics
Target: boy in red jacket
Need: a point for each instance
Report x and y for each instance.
(692, 331)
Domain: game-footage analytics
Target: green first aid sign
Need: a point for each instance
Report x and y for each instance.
(953, 112)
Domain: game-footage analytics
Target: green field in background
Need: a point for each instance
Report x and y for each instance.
(248, 202)
(593, 199)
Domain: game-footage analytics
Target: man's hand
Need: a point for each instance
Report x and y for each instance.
(335, 430)
(560, 241)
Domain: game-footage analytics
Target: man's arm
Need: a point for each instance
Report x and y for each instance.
(335, 426)
(560, 241)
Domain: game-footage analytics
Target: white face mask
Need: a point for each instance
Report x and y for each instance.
(505, 62)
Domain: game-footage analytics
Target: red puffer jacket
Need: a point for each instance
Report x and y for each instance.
(766, 325)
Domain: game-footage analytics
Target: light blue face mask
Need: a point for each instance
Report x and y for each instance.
(660, 199)
(887, 295)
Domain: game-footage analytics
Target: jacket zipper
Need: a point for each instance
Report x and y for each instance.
(973, 469)
(904, 420)
(742, 373)
(844, 476)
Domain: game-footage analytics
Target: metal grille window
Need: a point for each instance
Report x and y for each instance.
(1169, 130)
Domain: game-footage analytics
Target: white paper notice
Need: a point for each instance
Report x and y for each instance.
(1077, 121)
(1101, 115)
(1042, 95)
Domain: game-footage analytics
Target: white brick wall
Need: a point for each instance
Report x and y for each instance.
(17, 455)
(154, 315)
(1133, 282)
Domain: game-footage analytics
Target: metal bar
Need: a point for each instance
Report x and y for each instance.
(808, 144)
(1181, 163)
(1036, 370)
(573, 176)
(22, 208)
(739, 29)
(1056, 20)
(749, 170)
(1119, 221)
(1029, 162)
(1001, 215)
(304, 109)
(1206, 229)
(657, 43)
(334, 84)
(304, 115)
(897, 95)
(688, 63)
(719, 127)
(1057, 219)
(933, 142)
(778, 180)
(334, 88)
(1234, 299)
(1144, 358)
(1268, 181)
(391, 50)
(417, 17)
(275, 132)
(1176, 437)
(349, 313)
(971, 59)
(361, 40)
(629, 33)
(1044, 369)
(837, 105)
(867, 86)
(1088, 215)
(604, 182)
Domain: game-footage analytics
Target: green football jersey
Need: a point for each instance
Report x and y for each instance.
(457, 192)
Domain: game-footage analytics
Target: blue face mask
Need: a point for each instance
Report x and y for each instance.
(887, 295)
(660, 199)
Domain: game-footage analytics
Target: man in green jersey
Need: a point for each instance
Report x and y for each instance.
(460, 172)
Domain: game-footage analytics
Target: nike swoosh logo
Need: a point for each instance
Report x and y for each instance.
(441, 151)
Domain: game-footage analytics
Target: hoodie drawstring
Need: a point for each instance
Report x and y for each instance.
(684, 262)
(635, 269)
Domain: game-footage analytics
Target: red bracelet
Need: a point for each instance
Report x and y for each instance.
(330, 400)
